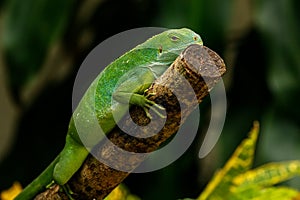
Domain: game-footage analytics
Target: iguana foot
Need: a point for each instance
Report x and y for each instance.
(66, 188)
(154, 107)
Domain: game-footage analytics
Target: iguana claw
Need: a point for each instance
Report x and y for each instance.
(153, 106)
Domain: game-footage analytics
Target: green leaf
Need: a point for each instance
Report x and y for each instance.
(274, 193)
(236, 181)
(268, 174)
(240, 161)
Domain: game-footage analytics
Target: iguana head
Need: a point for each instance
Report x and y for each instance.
(169, 44)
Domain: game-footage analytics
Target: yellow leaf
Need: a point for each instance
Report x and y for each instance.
(121, 192)
(269, 174)
(12, 192)
(239, 162)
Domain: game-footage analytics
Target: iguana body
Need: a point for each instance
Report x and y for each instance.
(122, 81)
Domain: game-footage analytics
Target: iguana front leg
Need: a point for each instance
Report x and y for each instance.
(135, 84)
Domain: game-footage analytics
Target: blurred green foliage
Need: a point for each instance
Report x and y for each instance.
(29, 30)
(257, 39)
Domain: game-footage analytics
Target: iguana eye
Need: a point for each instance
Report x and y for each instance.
(173, 37)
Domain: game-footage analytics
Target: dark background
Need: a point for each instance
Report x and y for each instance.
(43, 43)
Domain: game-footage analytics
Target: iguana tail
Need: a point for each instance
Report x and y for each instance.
(38, 184)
